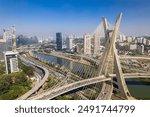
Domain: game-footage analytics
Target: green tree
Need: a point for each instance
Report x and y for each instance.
(14, 85)
(20, 78)
(5, 83)
(2, 69)
(26, 69)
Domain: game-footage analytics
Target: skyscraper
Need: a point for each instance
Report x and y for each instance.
(59, 41)
(69, 40)
(87, 44)
(96, 45)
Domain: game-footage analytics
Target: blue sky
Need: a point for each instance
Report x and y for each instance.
(46, 17)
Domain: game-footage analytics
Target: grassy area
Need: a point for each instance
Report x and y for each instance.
(67, 97)
(28, 70)
(52, 80)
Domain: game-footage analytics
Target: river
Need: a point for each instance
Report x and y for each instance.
(84, 71)
(139, 88)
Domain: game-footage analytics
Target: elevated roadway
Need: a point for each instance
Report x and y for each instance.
(37, 86)
(103, 95)
(133, 75)
(135, 57)
(64, 89)
(106, 92)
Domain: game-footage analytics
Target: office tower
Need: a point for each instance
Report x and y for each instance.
(69, 40)
(59, 41)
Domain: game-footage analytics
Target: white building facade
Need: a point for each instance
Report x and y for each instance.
(87, 44)
(11, 62)
(69, 42)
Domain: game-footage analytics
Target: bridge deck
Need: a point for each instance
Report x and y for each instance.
(64, 89)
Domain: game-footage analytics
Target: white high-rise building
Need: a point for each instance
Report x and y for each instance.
(129, 39)
(11, 62)
(148, 42)
(144, 41)
(69, 41)
(140, 40)
(87, 44)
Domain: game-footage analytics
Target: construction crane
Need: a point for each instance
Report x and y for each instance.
(14, 39)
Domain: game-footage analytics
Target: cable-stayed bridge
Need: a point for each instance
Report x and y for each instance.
(111, 69)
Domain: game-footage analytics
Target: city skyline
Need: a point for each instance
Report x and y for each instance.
(38, 17)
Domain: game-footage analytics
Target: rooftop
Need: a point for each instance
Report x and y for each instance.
(10, 53)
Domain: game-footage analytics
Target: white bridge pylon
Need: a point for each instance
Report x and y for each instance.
(110, 62)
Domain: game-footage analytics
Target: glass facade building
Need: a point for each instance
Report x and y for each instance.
(59, 41)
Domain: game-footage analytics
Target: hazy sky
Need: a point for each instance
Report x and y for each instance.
(46, 17)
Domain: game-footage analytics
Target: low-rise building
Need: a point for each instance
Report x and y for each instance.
(11, 62)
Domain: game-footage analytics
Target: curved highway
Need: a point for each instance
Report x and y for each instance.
(39, 85)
